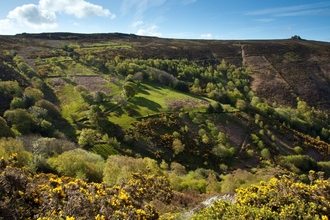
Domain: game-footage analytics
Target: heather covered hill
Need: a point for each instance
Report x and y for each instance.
(284, 69)
(203, 117)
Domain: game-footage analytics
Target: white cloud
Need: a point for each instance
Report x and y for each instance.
(43, 15)
(206, 36)
(32, 16)
(7, 27)
(291, 10)
(137, 23)
(78, 8)
(151, 31)
(140, 6)
(301, 13)
(187, 2)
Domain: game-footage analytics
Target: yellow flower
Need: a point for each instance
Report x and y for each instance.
(99, 217)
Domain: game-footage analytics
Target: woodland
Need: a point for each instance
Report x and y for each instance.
(119, 126)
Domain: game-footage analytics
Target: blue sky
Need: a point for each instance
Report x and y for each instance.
(184, 19)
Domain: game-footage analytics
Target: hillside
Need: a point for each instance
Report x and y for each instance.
(209, 116)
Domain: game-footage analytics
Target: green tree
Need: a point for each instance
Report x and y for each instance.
(178, 169)
(80, 164)
(129, 89)
(20, 120)
(10, 146)
(34, 94)
(94, 115)
(212, 184)
(17, 103)
(5, 130)
(87, 138)
(10, 88)
(52, 109)
(177, 146)
(265, 154)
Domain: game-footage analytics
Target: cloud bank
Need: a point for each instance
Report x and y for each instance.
(78, 8)
(43, 15)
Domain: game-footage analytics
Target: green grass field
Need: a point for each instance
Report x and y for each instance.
(154, 99)
(71, 102)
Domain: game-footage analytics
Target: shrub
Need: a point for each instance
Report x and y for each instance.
(298, 163)
(80, 164)
(17, 103)
(265, 154)
(20, 120)
(298, 150)
(177, 146)
(104, 150)
(282, 198)
(5, 130)
(52, 109)
(87, 138)
(118, 168)
(10, 146)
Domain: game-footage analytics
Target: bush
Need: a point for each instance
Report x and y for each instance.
(10, 146)
(298, 163)
(5, 130)
(87, 138)
(25, 195)
(119, 168)
(181, 86)
(52, 109)
(20, 120)
(298, 150)
(177, 146)
(265, 154)
(104, 150)
(80, 164)
(17, 103)
(282, 198)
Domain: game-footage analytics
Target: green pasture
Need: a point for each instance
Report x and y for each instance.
(71, 102)
(152, 99)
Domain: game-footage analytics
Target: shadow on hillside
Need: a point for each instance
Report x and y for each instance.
(153, 106)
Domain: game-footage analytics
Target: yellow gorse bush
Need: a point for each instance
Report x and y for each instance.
(47, 196)
(279, 198)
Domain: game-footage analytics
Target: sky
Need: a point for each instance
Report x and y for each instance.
(182, 19)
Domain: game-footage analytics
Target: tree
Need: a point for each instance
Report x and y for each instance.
(220, 150)
(212, 184)
(87, 138)
(94, 115)
(181, 86)
(10, 89)
(177, 146)
(31, 96)
(265, 154)
(241, 105)
(98, 96)
(129, 89)
(20, 120)
(217, 107)
(16, 103)
(34, 94)
(52, 109)
(10, 146)
(178, 169)
(5, 130)
(80, 164)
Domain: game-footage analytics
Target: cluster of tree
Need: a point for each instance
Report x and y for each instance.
(30, 113)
